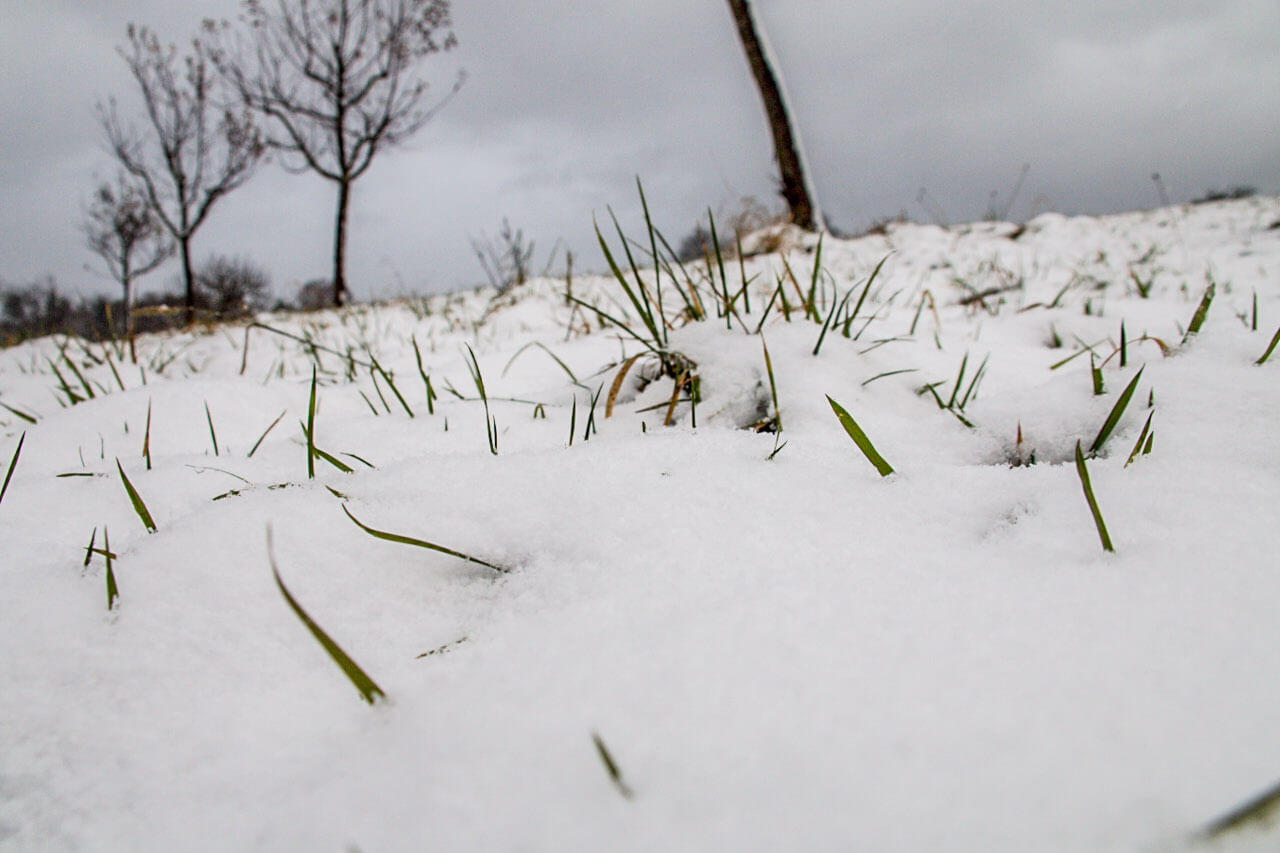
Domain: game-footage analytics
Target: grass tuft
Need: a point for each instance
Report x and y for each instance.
(369, 691)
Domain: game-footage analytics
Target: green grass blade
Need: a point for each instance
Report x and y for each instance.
(311, 429)
(548, 351)
(813, 283)
(426, 380)
(646, 313)
(615, 321)
(32, 418)
(1142, 437)
(13, 463)
(418, 543)
(611, 767)
(657, 267)
(860, 438)
(146, 438)
(836, 305)
(335, 462)
(258, 443)
(134, 498)
(773, 387)
(1260, 810)
(1116, 412)
(213, 435)
(1083, 471)
(113, 591)
(955, 389)
(386, 377)
(1202, 311)
(1266, 355)
(369, 691)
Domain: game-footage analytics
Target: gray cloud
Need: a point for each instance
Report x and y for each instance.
(567, 102)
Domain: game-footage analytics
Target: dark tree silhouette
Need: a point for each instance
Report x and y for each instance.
(790, 166)
(191, 154)
(337, 82)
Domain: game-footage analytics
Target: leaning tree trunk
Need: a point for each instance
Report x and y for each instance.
(340, 245)
(794, 187)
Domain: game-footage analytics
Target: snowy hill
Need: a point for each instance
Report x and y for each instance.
(679, 558)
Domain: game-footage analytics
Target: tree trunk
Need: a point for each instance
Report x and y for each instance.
(794, 187)
(340, 246)
(189, 279)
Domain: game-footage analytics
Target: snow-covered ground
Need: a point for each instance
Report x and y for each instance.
(781, 653)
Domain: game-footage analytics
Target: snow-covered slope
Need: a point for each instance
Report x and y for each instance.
(777, 647)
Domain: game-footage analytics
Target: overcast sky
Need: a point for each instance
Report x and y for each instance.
(566, 102)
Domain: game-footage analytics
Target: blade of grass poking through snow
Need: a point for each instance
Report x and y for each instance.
(146, 438)
(1083, 471)
(13, 463)
(213, 435)
(653, 253)
(545, 349)
(836, 305)
(134, 498)
(1270, 349)
(573, 418)
(386, 377)
(1116, 412)
(490, 423)
(1095, 374)
(646, 315)
(724, 280)
(611, 767)
(258, 443)
(773, 389)
(311, 428)
(1202, 311)
(1142, 437)
(1259, 810)
(860, 438)
(113, 592)
(419, 543)
(426, 380)
(369, 691)
(32, 419)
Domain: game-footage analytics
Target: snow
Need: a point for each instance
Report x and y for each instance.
(785, 653)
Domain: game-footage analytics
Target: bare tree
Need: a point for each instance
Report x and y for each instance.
(795, 187)
(191, 154)
(337, 81)
(122, 230)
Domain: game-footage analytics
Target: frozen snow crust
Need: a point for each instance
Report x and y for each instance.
(779, 654)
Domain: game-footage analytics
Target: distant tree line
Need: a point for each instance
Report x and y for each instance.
(224, 289)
